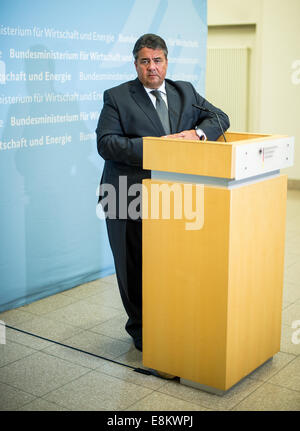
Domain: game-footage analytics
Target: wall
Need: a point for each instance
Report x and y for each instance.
(233, 12)
(275, 82)
(280, 89)
(236, 36)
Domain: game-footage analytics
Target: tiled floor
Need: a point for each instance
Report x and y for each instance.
(40, 375)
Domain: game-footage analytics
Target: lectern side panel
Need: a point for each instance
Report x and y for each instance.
(257, 234)
(185, 275)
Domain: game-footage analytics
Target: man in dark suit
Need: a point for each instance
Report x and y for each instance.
(131, 111)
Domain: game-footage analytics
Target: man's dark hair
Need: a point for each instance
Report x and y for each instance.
(151, 41)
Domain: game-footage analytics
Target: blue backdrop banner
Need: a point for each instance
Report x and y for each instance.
(56, 60)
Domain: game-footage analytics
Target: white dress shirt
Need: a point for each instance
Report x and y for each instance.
(163, 92)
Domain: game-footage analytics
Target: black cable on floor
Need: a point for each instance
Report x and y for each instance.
(137, 370)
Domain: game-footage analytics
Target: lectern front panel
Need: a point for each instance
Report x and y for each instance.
(212, 295)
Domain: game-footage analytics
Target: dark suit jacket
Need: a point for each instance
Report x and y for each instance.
(128, 115)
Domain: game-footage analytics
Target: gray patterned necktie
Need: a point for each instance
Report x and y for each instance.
(162, 111)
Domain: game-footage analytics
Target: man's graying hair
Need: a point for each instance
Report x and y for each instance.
(151, 41)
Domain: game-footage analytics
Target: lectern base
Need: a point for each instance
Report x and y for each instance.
(212, 390)
(201, 387)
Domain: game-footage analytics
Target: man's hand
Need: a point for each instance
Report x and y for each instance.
(185, 134)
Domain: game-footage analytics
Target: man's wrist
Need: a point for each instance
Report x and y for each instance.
(201, 135)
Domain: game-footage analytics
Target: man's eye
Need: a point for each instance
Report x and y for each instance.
(156, 61)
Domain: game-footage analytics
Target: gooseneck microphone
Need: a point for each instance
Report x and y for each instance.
(213, 113)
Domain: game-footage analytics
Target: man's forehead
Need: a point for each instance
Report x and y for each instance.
(150, 53)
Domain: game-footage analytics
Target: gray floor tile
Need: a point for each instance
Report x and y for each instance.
(110, 279)
(88, 289)
(161, 402)
(287, 342)
(97, 391)
(109, 298)
(11, 352)
(286, 304)
(74, 356)
(270, 397)
(15, 316)
(132, 357)
(39, 373)
(26, 340)
(291, 259)
(114, 328)
(292, 273)
(289, 376)
(291, 292)
(291, 314)
(271, 367)
(11, 398)
(82, 314)
(39, 404)
(129, 375)
(48, 304)
(98, 344)
(48, 328)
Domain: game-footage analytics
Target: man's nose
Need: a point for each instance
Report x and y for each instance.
(151, 64)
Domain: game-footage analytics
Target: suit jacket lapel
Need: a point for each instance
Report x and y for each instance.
(142, 99)
(174, 106)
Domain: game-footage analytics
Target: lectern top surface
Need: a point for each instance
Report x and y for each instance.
(244, 155)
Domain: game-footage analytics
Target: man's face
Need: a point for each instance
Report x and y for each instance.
(151, 66)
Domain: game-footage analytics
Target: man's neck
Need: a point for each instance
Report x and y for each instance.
(161, 88)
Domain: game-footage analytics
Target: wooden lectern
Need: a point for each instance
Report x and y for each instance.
(212, 290)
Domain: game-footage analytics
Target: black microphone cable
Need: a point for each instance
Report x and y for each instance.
(137, 370)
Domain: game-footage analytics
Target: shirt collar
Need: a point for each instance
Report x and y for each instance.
(162, 88)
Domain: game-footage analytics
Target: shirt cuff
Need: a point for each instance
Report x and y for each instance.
(201, 134)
